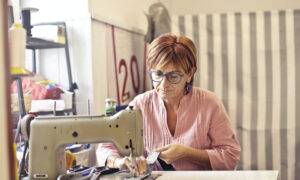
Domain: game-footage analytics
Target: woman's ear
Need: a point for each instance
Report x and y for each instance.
(191, 74)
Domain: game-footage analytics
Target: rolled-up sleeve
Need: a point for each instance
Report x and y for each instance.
(225, 149)
(105, 150)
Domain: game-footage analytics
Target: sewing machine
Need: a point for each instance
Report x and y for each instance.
(48, 137)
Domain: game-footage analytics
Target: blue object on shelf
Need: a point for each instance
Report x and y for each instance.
(49, 86)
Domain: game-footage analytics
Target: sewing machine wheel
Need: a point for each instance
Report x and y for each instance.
(25, 125)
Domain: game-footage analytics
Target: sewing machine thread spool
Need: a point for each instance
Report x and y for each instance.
(110, 106)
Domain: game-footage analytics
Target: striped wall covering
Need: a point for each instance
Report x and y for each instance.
(252, 62)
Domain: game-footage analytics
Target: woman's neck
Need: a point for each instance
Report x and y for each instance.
(173, 103)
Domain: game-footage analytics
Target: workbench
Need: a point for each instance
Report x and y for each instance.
(206, 175)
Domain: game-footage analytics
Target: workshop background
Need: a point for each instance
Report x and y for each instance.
(248, 55)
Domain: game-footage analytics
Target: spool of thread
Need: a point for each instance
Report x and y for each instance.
(110, 106)
(17, 45)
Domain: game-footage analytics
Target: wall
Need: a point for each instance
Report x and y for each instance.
(131, 18)
(179, 7)
(98, 32)
(128, 14)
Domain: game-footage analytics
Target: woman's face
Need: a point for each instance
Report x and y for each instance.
(167, 90)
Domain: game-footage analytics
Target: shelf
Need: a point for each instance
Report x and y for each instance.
(38, 43)
(58, 113)
(18, 76)
(35, 43)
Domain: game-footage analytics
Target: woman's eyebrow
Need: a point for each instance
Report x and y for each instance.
(176, 71)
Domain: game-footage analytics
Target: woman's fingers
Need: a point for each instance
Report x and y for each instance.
(139, 165)
(144, 163)
(164, 148)
(148, 150)
(129, 165)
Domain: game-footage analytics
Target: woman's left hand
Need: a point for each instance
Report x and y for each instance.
(171, 152)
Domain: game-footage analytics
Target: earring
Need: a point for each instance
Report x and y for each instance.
(188, 87)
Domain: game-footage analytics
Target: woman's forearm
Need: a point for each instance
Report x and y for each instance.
(197, 156)
(110, 161)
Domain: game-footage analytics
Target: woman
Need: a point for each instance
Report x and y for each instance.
(188, 125)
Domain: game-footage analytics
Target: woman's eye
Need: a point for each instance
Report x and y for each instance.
(157, 73)
(173, 76)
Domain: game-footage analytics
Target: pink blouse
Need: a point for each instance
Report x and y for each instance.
(202, 123)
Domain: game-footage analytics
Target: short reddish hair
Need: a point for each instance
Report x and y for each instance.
(178, 50)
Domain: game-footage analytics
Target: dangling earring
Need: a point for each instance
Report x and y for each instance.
(188, 87)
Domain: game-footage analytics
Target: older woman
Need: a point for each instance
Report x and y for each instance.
(188, 125)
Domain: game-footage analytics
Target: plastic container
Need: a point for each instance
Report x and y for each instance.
(17, 45)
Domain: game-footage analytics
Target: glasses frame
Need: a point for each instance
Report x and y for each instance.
(166, 75)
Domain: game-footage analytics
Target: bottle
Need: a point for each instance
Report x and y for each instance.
(17, 45)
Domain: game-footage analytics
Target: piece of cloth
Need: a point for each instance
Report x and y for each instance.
(159, 21)
(202, 123)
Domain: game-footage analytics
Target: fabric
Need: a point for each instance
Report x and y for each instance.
(159, 21)
(202, 123)
(37, 91)
(251, 60)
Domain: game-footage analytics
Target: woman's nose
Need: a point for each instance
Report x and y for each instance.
(164, 81)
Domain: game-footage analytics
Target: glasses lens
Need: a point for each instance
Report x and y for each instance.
(156, 75)
(173, 77)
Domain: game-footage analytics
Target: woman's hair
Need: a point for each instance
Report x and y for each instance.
(177, 50)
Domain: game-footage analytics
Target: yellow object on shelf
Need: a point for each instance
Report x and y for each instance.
(18, 70)
(18, 25)
(45, 83)
(61, 37)
(16, 160)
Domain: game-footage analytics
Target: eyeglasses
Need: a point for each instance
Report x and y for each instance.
(173, 77)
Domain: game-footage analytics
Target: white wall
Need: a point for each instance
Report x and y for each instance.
(180, 7)
(128, 14)
(98, 32)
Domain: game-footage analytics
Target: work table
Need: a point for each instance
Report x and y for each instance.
(207, 175)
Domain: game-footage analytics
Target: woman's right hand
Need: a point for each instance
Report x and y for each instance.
(126, 164)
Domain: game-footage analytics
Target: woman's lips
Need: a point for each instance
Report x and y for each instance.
(165, 91)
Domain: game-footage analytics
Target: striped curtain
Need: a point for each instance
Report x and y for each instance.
(251, 61)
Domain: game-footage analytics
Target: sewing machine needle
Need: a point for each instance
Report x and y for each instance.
(133, 163)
